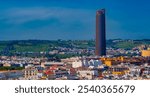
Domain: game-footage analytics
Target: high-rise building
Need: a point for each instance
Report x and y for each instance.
(100, 33)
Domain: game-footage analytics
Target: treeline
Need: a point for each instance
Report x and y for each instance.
(11, 68)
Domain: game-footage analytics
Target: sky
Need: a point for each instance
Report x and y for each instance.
(73, 19)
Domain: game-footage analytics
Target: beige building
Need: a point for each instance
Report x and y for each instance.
(30, 73)
(87, 74)
(6, 64)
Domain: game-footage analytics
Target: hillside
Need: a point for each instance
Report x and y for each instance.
(45, 45)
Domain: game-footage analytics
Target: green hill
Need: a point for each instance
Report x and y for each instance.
(46, 45)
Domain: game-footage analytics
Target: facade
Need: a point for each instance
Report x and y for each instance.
(100, 33)
(146, 53)
(30, 73)
(86, 63)
(119, 70)
(87, 74)
(77, 64)
(48, 64)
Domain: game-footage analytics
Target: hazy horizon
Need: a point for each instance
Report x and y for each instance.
(70, 40)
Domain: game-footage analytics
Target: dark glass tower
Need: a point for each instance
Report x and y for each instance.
(100, 33)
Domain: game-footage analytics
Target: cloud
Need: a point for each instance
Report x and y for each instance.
(54, 22)
(23, 15)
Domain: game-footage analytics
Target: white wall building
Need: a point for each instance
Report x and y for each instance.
(86, 63)
(77, 64)
(87, 74)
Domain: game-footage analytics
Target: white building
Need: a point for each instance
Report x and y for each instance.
(86, 63)
(77, 64)
(94, 63)
(87, 74)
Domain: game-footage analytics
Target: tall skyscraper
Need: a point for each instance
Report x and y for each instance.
(100, 33)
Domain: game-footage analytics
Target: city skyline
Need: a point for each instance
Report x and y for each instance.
(64, 19)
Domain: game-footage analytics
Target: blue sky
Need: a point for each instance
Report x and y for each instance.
(72, 19)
